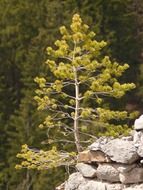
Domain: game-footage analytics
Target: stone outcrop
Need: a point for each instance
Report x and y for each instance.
(77, 182)
(110, 164)
(121, 151)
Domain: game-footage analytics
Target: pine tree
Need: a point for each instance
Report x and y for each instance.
(81, 73)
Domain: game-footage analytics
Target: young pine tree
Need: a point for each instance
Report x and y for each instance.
(82, 77)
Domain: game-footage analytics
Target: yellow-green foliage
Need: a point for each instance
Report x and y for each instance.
(77, 61)
(39, 159)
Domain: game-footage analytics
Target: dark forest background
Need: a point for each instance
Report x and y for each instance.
(27, 27)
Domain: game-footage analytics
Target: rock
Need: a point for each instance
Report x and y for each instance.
(97, 185)
(95, 146)
(93, 185)
(123, 168)
(113, 165)
(135, 187)
(138, 125)
(121, 151)
(74, 181)
(115, 186)
(77, 182)
(84, 156)
(93, 156)
(99, 156)
(140, 150)
(86, 170)
(138, 138)
(108, 172)
(99, 143)
(134, 176)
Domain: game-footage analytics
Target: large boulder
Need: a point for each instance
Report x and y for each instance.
(86, 170)
(121, 151)
(108, 172)
(133, 176)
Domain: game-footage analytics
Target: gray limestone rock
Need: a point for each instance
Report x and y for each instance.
(86, 170)
(108, 172)
(134, 176)
(121, 151)
(77, 182)
(138, 138)
(98, 185)
(117, 161)
(99, 143)
(74, 181)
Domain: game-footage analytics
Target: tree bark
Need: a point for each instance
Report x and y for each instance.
(76, 116)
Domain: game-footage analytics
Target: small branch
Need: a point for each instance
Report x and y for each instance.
(87, 120)
(66, 141)
(67, 58)
(69, 96)
(87, 134)
(68, 83)
(68, 128)
(67, 106)
(62, 112)
(59, 118)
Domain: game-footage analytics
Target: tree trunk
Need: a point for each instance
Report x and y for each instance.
(76, 116)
